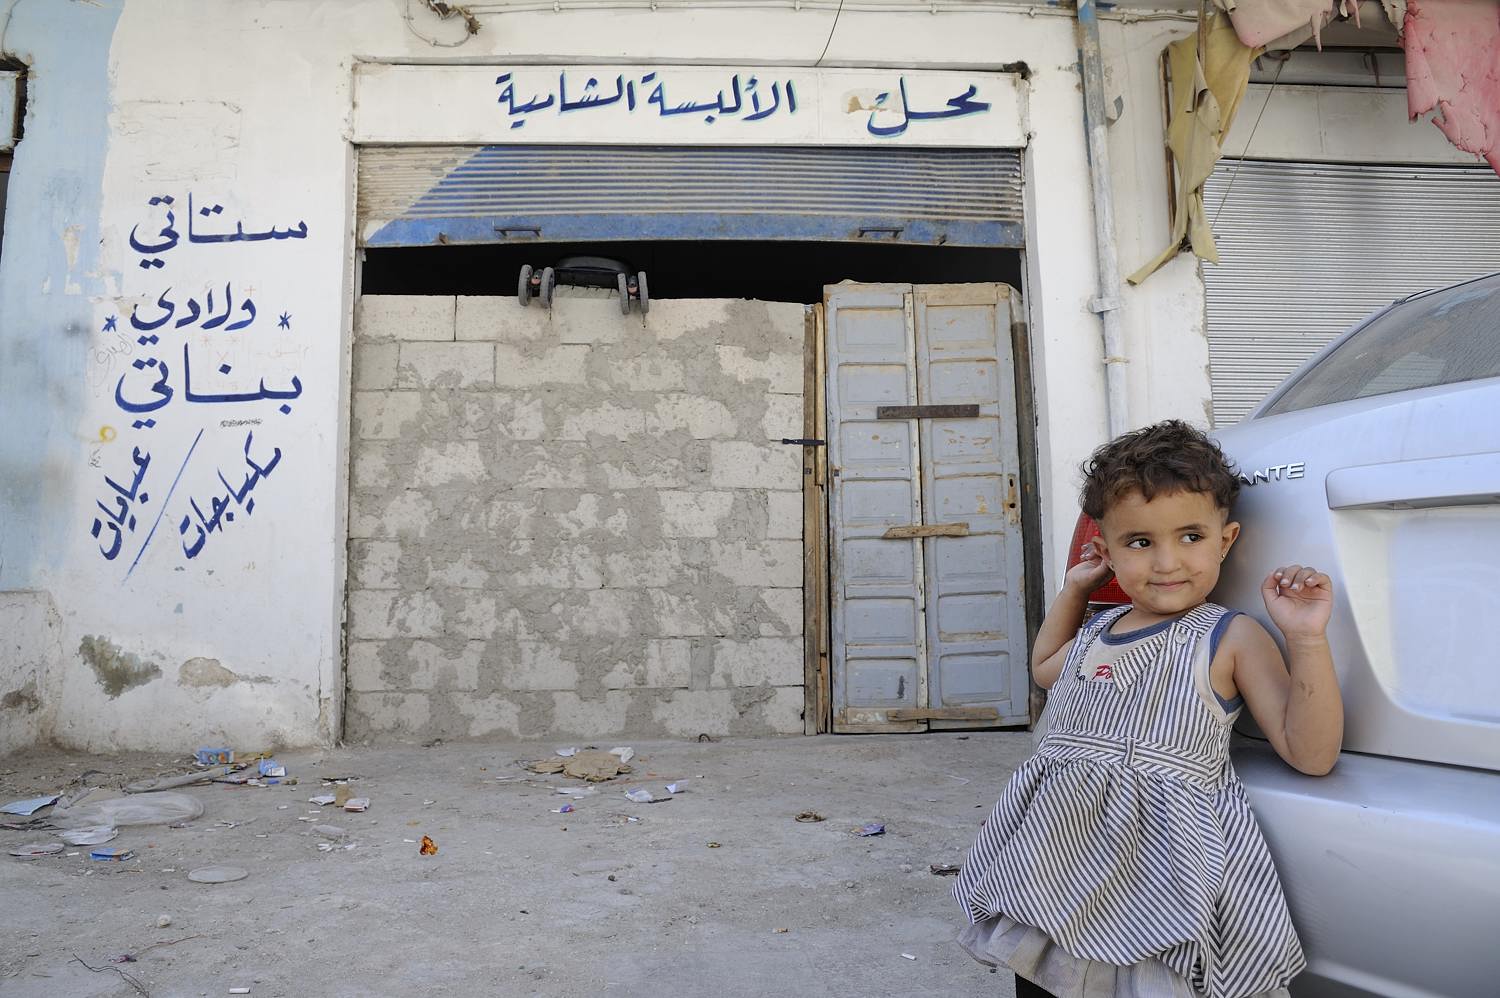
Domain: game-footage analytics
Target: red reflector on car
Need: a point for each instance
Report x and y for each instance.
(1087, 529)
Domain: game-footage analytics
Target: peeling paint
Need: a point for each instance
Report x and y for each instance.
(116, 669)
(205, 672)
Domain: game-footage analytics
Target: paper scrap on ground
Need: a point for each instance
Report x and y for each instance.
(30, 806)
(625, 752)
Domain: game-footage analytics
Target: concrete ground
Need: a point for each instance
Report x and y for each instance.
(520, 900)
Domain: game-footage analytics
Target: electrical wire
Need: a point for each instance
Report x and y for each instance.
(831, 30)
(1240, 161)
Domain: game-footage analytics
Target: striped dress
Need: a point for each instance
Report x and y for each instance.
(1122, 858)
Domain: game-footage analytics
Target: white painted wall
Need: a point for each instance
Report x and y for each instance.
(248, 105)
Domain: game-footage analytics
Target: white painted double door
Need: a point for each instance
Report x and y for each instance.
(928, 625)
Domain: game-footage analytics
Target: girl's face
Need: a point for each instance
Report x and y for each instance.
(1166, 553)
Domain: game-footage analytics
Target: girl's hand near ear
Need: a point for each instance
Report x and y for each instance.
(1090, 573)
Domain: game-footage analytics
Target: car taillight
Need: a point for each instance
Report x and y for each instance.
(1110, 593)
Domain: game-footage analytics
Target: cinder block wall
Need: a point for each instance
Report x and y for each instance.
(573, 522)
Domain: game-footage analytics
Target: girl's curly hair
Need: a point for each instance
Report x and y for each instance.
(1160, 459)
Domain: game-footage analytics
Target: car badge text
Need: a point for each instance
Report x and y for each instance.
(1275, 473)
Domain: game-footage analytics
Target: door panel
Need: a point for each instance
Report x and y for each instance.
(976, 634)
(924, 623)
(878, 631)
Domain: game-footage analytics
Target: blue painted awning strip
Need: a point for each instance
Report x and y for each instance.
(693, 225)
(426, 195)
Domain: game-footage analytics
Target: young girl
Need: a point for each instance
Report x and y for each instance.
(1122, 860)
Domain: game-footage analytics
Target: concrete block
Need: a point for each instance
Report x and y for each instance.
(588, 320)
(365, 672)
(693, 514)
(690, 614)
(462, 572)
(385, 415)
(527, 420)
(375, 366)
(388, 715)
(478, 614)
(499, 318)
(455, 461)
(782, 372)
(738, 464)
(563, 566)
(389, 614)
(644, 567)
(688, 713)
(371, 470)
(540, 665)
(564, 465)
(533, 368)
(592, 718)
(783, 417)
(650, 372)
(785, 610)
(777, 661)
(663, 664)
(405, 514)
(702, 418)
(764, 564)
(782, 714)
(673, 319)
(446, 365)
(784, 515)
(607, 613)
(373, 564)
(490, 715)
(404, 317)
(606, 419)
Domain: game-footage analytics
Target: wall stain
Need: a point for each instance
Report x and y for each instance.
(24, 698)
(116, 669)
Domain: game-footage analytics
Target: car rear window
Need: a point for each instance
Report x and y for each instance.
(1437, 339)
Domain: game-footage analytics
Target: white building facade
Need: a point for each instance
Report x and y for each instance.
(251, 497)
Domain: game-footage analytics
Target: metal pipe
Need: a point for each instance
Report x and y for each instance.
(1107, 303)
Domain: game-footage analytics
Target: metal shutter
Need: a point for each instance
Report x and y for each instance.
(1308, 249)
(425, 195)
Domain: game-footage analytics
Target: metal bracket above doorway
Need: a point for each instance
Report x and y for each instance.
(926, 412)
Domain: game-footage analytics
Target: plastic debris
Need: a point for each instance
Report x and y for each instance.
(239, 991)
(809, 816)
(428, 847)
(641, 796)
(624, 752)
(565, 809)
(270, 767)
(29, 806)
(321, 799)
(907, 956)
(89, 836)
(567, 753)
(217, 874)
(713, 845)
(676, 788)
(162, 921)
(578, 792)
(783, 931)
(873, 828)
(357, 804)
(141, 809)
(214, 756)
(35, 849)
(112, 854)
(944, 869)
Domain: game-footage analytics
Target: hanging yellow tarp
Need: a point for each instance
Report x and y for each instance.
(1210, 71)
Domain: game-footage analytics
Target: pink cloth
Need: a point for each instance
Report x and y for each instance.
(1453, 64)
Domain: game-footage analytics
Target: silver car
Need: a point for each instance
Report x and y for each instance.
(1379, 463)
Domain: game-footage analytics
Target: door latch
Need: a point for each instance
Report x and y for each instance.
(804, 441)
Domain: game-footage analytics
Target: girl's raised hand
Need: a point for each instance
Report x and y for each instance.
(1299, 600)
(1090, 573)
